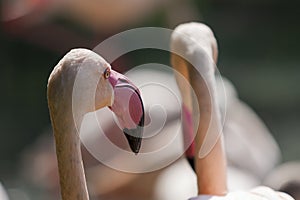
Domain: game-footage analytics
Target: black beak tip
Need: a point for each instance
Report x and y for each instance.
(134, 138)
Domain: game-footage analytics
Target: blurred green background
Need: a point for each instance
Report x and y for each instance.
(259, 52)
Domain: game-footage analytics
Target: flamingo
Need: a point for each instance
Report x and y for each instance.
(195, 42)
(109, 89)
(210, 170)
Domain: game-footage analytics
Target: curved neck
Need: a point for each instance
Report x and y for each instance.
(67, 142)
(70, 164)
(210, 161)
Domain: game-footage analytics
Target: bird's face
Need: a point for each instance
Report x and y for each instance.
(124, 99)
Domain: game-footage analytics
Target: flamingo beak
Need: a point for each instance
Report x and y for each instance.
(129, 109)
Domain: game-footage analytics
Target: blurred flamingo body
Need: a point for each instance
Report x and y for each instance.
(195, 42)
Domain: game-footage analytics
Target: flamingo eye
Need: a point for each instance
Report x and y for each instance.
(106, 73)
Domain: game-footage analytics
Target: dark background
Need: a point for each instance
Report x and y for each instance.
(259, 52)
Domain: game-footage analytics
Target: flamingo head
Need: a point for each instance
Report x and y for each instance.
(89, 75)
(119, 94)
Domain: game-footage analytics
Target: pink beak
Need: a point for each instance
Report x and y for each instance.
(129, 109)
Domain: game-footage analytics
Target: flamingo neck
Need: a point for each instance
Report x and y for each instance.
(196, 43)
(66, 128)
(210, 160)
(70, 164)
